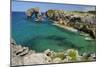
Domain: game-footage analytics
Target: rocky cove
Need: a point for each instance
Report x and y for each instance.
(36, 37)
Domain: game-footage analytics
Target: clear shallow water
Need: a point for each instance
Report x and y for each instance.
(42, 36)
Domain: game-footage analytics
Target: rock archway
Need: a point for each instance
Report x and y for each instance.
(29, 13)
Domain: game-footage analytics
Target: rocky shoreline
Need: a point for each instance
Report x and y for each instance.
(65, 27)
(83, 22)
(21, 55)
(85, 35)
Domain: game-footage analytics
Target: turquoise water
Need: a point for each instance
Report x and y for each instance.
(43, 35)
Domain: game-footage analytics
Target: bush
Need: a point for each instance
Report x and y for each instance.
(73, 54)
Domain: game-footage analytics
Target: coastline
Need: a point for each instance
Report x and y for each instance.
(85, 35)
(65, 27)
(21, 55)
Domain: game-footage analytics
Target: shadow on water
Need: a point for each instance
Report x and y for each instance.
(54, 37)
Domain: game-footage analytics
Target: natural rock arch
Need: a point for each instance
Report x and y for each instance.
(29, 13)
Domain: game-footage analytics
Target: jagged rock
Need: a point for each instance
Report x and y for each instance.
(23, 52)
(38, 58)
(49, 53)
(88, 57)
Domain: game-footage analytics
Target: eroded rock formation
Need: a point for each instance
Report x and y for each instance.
(29, 13)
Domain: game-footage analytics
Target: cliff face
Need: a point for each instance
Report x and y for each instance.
(82, 21)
